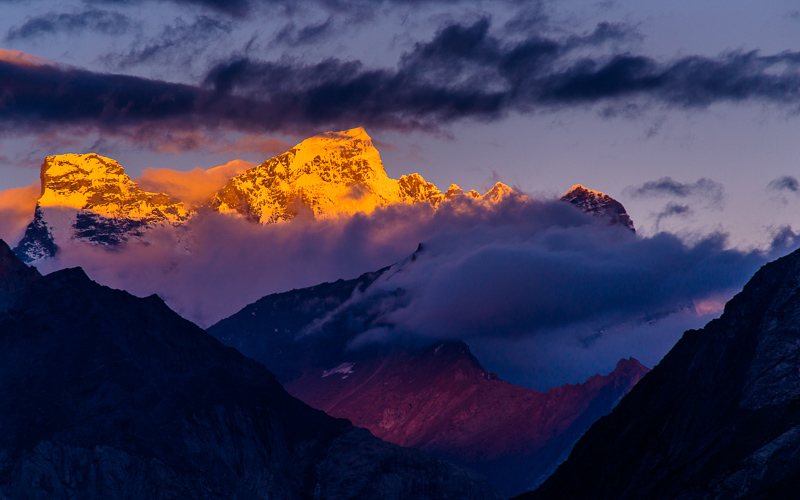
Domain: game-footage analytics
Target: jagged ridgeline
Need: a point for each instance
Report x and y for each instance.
(89, 198)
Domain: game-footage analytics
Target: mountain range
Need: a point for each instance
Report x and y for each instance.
(87, 197)
(435, 397)
(106, 395)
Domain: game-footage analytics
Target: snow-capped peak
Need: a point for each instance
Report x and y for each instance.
(327, 175)
(93, 182)
(89, 197)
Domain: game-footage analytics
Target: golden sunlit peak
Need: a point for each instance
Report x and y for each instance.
(498, 192)
(96, 183)
(581, 188)
(90, 164)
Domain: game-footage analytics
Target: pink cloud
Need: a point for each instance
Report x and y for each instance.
(16, 211)
(22, 58)
(192, 187)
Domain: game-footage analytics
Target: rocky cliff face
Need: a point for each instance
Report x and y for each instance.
(106, 395)
(718, 418)
(598, 204)
(90, 198)
(436, 398)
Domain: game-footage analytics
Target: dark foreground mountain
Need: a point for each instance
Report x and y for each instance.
(106, 395)
(437, 398)
(14, 275)
(718, 418)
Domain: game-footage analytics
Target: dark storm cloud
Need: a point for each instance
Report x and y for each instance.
(583, 277)
(240, 8)
(710, 191)
(99, 21)
(785, 183)
(34, 97)
(231, 7)
(464, 72)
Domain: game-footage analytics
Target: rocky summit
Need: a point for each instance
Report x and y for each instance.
(90, 198)
(327, 175)
(598, 204)
(106, 395)
(718, 418)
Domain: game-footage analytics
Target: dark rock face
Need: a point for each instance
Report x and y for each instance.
(106, 395)
(38, 242)
(436, 398)
(14, 275)
(718, 418)
(271, 328)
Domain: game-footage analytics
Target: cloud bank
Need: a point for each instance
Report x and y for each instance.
(521, 276)
(465, 72)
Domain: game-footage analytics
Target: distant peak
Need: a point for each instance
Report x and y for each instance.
(630, 364)
(498, 192)
(579, 188)
(599, 204)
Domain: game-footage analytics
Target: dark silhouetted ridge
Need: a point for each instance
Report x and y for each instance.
(106, 395)
(718, 418)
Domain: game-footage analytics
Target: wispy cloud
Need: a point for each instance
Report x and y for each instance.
(673, 210)
(178, 43)
(95, 20)
(294, 35)
(785, 183)
(705, 188)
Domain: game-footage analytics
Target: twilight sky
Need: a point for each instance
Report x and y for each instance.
(686, 112)
(541, 95)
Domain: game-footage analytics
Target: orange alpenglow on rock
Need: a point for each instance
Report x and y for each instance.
(89, 198)
(332, 174)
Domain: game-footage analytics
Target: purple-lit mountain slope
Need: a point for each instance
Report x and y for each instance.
(434, 397)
